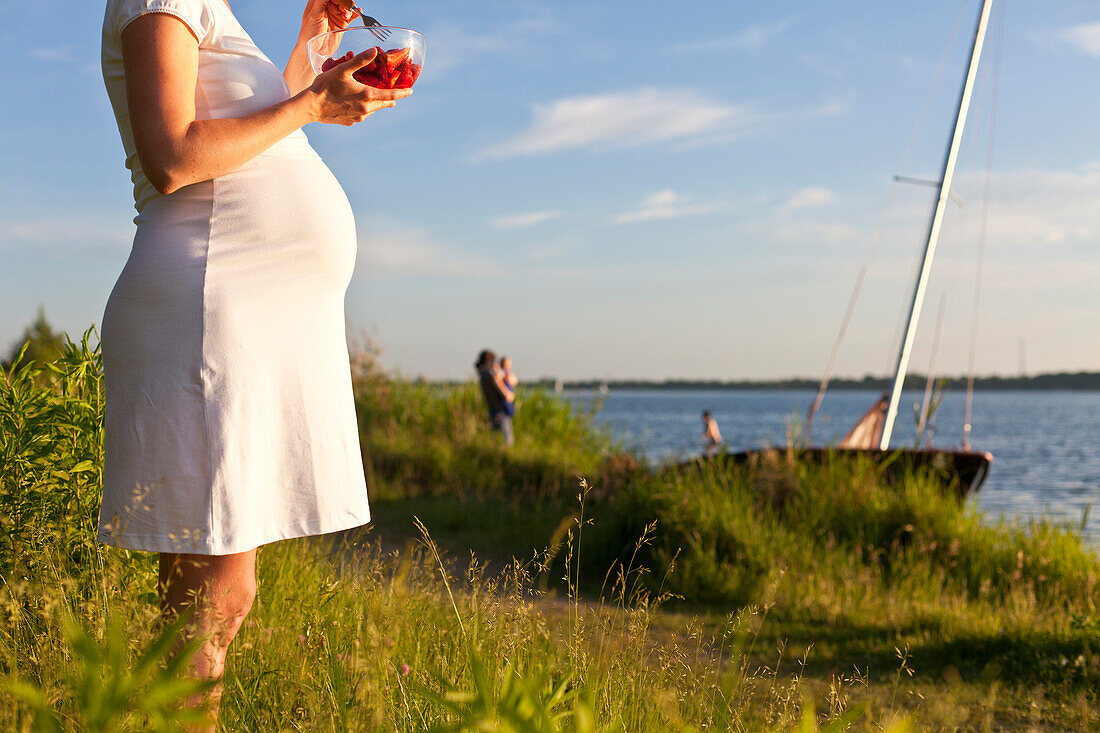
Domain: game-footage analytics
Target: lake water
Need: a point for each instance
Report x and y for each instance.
(1046, 456)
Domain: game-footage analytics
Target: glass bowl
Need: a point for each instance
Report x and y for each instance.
(397, 66)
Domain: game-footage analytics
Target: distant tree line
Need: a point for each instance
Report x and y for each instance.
(1075, 381)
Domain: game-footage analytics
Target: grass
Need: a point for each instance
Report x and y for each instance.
(861, 577)
(783, 596)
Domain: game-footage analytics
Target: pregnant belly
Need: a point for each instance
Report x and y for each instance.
(282, 217)
(272, 243)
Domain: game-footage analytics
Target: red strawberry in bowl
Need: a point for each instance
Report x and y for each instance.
(396, 68)
(331, 63)
(395, 57)
(407, 75)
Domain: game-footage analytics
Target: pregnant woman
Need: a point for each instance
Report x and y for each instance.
(230, 421)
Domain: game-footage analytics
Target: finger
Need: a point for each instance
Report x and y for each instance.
(382, 95)
(359, 61)
(337, 14)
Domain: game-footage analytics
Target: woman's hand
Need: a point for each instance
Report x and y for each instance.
(341, 100)
(320, 16)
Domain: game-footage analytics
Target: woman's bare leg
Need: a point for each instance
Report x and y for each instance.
(220, 589)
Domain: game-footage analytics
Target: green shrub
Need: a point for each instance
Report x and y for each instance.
(424, 440)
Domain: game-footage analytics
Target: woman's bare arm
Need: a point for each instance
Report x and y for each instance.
(298, 72)
(160, 58)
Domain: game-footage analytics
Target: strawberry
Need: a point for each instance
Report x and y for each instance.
(395, 57)
(364, 76)
(405, 76)
(383, 75)
(331, 63)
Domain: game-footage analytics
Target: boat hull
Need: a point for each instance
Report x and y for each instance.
(960, 470)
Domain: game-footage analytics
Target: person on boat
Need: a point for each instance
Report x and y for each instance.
(498, 396)
(712, 436)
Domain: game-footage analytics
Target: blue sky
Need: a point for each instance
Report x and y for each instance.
(611, 189)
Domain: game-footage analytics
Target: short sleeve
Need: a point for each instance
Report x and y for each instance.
(195, 14)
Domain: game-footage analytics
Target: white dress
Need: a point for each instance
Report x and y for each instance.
(230, 420)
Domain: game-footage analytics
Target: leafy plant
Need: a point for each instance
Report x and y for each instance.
(105, 693)
(524, 701)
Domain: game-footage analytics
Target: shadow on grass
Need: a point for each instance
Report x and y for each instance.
(1066, 663)
(495, 530)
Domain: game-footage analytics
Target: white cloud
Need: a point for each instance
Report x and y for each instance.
(393, 250)
(666, 204)
(1084, 37)
(646, 116)
(752, 38)
(806, 198)
(58, 54)
(816, 234)
(560, 273)
(452, 46)
(835, 108)
(69, 234)
(523, 221)
(1041, 207)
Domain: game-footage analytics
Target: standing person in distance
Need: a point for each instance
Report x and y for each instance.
(498, 396)
(230, 421)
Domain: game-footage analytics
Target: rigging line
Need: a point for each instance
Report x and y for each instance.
(930, 379)
(902, 311)
(836, 349)
(880, 230)
(983, 228)
(941, 66)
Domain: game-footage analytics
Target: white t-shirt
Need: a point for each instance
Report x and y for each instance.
(235, 78)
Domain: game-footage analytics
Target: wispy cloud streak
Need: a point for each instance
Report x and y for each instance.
(393, 250)
(523, 221)
(1084, 38)
(808, 198)
(646, 116)
(753, 39)
(666, 204)
(60, 54)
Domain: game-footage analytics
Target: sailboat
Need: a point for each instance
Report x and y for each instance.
(964, 469)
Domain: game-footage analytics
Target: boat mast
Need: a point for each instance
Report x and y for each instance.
(936, 223)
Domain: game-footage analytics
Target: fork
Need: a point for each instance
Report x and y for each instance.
(371, 24)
